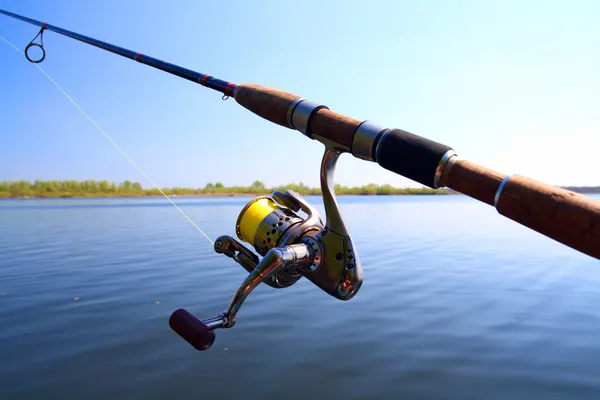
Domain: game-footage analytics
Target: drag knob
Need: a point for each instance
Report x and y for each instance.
(190, 328)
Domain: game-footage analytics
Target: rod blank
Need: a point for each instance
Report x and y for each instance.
(210, 82)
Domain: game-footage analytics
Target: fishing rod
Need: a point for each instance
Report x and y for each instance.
(293, 247)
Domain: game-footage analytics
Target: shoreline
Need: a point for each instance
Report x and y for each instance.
(409, 192)
(73, 189)
(135, 196)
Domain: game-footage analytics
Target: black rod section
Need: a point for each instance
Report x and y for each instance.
(411, 156)
(210, 82)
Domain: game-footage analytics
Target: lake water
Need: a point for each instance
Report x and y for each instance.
(458, 303)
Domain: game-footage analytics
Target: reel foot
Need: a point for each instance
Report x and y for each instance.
(190, 328)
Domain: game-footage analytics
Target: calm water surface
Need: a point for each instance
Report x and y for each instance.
(458, 303)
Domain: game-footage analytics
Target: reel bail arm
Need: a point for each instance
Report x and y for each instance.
(233, 249)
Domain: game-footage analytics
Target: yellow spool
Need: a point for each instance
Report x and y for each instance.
(251, 217)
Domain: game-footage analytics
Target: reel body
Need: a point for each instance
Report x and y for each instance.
(292, 247)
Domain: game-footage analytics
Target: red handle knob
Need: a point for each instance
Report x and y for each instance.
(190, 328)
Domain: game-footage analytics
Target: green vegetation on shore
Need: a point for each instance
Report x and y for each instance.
(584, 189)
(72, 188)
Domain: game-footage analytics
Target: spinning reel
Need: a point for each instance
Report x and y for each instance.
(291, 247)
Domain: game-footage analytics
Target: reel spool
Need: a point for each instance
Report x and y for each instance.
(262, 222)
(291, 247)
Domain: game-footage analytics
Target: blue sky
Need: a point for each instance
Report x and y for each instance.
(511, 85)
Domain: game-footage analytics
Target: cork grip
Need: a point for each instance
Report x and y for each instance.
(473, 180)
(268, 103)
(567, 217)
(272, 105)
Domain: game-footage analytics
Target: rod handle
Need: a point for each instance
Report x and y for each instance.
(402, 152)
(565, 216)
(276, 105)
(570, 218)
(190, 328)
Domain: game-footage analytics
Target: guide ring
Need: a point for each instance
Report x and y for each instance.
(41, 46)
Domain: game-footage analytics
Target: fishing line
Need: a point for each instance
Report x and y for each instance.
(113, 142)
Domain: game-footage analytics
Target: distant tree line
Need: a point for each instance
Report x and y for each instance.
(584, 189)
(89, 188)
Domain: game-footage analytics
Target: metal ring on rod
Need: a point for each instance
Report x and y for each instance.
(29, 46)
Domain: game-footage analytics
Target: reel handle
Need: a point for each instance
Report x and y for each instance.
(192, 330)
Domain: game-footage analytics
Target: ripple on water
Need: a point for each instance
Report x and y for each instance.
(457, 303)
